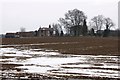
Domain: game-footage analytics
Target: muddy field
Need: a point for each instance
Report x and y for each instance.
(71, 45)
(60, 58)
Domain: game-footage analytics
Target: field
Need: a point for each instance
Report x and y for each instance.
(60, 58)
(71, 45)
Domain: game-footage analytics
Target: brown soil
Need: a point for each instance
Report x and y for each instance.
(71, 45)
(65, 45)
(6, 66)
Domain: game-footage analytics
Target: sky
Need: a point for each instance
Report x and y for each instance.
(32, 14)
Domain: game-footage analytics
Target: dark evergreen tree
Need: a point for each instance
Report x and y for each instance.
(61, 34)
(49, 26)
(92, 32)
(84, 28)
(51, 30)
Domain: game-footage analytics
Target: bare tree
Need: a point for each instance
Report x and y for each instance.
(22, 29)
(97, 22)
(66, 24)
(73, 18)
(57, 28)
(108, 23)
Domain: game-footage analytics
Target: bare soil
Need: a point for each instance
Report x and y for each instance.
(65, 45)
(71, 45)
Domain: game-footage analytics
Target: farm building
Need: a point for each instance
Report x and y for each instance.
(26, 34)
(11, 35)
(45, 32)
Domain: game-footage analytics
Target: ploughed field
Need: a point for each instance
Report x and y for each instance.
(59, 58)
(71, 45)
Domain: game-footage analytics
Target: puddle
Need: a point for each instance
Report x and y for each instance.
(53, 63)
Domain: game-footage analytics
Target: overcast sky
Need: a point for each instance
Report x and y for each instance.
(31, 14)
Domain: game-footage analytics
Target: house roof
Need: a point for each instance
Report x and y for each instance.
(44, 28)
(10, 33)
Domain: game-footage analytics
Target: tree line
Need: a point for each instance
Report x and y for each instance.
(75, 24)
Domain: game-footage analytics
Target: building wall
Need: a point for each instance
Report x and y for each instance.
(76, 31)
(26, 34)
(44, 32)
(10, 35)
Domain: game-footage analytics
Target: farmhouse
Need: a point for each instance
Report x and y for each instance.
(76, 30)
(38, 33)
(45, 31)
(79, 30)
